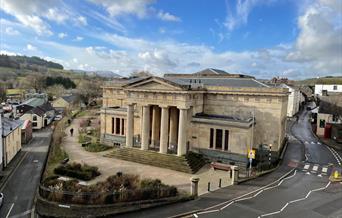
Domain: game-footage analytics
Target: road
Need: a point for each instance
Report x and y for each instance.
(307, 192)
(20, 188)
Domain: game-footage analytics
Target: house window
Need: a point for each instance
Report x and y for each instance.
(117, 123)
(123, 127)
(226, 138)
(335, 87)
(34, 124)
(34, 118)
(218, 143)
(335, 118)
(321, 123)
(211, 138)
(112, 125)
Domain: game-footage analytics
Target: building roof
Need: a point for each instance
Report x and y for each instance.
(34, 102)
(331, 104)
(38, 111)
(227, 82)
(46, 107)
(209, 71)
(70, 98)
(9, 125)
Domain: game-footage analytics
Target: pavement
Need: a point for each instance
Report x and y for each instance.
(110, 166)
(304, 192)
(20, 187)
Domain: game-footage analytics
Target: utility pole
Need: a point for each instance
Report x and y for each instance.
(252, 142)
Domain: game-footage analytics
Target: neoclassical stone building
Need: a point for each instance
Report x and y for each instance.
(210, 112)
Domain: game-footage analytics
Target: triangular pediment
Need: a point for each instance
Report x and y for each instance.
(154, 83)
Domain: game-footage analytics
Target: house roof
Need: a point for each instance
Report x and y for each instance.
(228, 82)
(69, 98)
(38, 111)
(46, 107)
(34, 102)
(9, 125)
(330, 104)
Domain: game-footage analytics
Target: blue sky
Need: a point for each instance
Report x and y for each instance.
(263, 38)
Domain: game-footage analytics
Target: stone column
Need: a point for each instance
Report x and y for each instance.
(130, 126)
(182, 130)
(155, 125)
(164, 130)
(173, 126)
(145, 128)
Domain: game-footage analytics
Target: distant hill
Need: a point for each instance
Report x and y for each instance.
(322, 80)
(29, 63)
(108, 74)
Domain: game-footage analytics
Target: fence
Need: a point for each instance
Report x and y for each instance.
(69, 197)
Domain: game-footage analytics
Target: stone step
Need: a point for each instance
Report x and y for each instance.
(190, 163)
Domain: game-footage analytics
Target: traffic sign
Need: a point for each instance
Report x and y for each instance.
(251, 154)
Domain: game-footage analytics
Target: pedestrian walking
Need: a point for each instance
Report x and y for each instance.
(71, 132)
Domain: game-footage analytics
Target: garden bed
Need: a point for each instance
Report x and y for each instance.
(77, 171)
(96, 147)
(117, 188)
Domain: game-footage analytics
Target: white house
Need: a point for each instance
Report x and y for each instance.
(295, 99)
(320, 89)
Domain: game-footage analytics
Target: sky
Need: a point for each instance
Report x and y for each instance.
(263, 38)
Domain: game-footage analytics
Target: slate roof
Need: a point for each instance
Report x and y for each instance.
(46, 107)
(34, 102)
(331, 104)
(70, 98)
(227, 82)
(9, 125)
(211, 71)
(37, 110)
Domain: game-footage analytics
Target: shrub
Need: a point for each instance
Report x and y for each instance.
(77, 171)
(96, 147)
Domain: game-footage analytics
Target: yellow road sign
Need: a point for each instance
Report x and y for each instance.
(251, 153)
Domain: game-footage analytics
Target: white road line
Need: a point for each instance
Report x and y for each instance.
(10, 210)
(319, 143)
(324, 169)
(21, 214)
(306, 142)
(306, 167)
(336, 155)
(315, 168)
(307, 173)
(294, 201)
(249, 193)
(312, 143)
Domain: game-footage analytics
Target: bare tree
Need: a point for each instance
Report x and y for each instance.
(89, 90)
(55, 91)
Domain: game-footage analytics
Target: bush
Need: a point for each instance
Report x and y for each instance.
(96, 147)
(77, 171)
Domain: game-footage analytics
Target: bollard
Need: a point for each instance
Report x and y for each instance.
(235, 175)
(194, 186)
(208, 186)
(220, 183)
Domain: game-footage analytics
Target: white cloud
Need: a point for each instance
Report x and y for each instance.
(166, 16)
(62, 35)
(9, 53)
(78, 38)
(30, 47)
(56, 15)
(319, 42)
(12, 32)
(82, 21)
(123, 7)
(239, 15)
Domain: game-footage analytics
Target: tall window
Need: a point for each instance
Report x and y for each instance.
(211, 138)
(226, 138)
(218, 139)
(112, 125)
(321, 123)
(123, 127)
(34, 118)
(117, 122)
(335, 87)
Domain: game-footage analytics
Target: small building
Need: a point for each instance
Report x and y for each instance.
(323, 89)
(26, 131)
(295, 100)
(15, 95)
(40, 116)
(11, 139)
(329, 112)
(66, 102)
(29, 104)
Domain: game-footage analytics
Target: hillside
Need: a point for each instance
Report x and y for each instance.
(322, 80)
(24, 62)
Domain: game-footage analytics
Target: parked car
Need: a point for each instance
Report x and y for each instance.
(1, 199)
(58, 117)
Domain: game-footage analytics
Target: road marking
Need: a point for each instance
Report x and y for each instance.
(294, 201)
(315, 168)
(195, 215)
(319, 143)
(21, 214)
(10, 210)
(306, 167)
(319, 175)
(324, 169)
(312, 143)
(307, 173)
(230, 202)
(306, 142)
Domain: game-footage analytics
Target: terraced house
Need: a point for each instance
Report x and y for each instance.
(209, 112)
